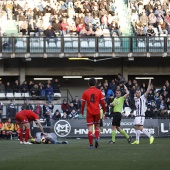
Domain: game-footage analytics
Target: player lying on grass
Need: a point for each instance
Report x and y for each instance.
(46, 139)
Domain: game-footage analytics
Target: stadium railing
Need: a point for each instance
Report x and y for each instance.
(85, 45)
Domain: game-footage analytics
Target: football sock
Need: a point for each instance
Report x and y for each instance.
(26, 135)
(97, 132)
(113, 135)
(90, 137)
(138, 135)
(146, 133)
(124, 133)
(21, 135)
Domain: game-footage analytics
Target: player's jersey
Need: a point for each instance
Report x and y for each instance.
(28, 114)
(93, 97)
(140, 105)
(118, 104)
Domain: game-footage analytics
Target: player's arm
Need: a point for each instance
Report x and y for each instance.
(126, 91)
(148, 89)
(83, 102)
(103, 106)
(40, 126)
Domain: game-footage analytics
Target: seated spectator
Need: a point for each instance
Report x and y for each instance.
(8, 128)
(73, 29)
(167, 21)
(73, 115)
(164, 113)
(162, 27)
(40, 26)
(34, 91)
(65, 107)
(152, 19)
(2, 87)
(24, 87)
(50, 35)
(90, 32)
(38, 110)
(79, 27)
(32, 27)
(159, 10)
(148, 113)
(87, 7)
(24, 27)
(88, 19)
(5, 41)
(57, 115)
(77, 104)
(64, 116)
(89, 26)
(95, 9)
(56, 27)
(78, 6)
(144, 19)
(150, 31)
(41, 89)
(138, 25)
(114, 28)
(98, 32)
(64, 27)
(79, 19)
(8, 88)
(156, 113)
(104, 21)
(49, 93)
(131, 115)
(159, 17)
(95, 21)
(140, 31)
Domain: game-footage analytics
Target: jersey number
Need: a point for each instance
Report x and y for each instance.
(92, 98)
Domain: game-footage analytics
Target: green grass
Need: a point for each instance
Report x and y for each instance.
(78, 156)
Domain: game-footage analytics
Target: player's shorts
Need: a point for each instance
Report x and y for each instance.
(93, 119)
(21, 119)
(116, 119)
(139, 120)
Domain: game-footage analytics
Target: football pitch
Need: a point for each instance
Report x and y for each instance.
(77, 155)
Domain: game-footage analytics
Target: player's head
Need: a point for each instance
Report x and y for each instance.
(118, 93)
(138, 93)
(92, 82)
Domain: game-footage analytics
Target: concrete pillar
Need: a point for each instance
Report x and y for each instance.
(125, 69)
(22, 74)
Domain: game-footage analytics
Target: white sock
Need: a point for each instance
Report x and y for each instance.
(137, 135)
(146, 133)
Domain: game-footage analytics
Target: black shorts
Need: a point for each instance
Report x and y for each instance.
(116, 119)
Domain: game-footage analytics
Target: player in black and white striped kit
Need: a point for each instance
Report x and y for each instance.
(140, 102)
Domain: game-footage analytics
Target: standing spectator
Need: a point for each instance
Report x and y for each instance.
(56, 86)
(28, 106)
(49, 93)
(117, 109)
(8, 88)
(1, 109)
(11, 109)
(47, 112)
(93, 97)
(38, 110)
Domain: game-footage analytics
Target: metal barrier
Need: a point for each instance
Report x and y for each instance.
(73, 44)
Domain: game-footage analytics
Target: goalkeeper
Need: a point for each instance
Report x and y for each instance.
(46, 139)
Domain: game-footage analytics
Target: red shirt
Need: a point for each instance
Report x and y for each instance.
(93, 97)
(27, 115)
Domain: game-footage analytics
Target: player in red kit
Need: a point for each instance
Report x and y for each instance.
(23, 119)
(93, 97)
